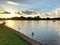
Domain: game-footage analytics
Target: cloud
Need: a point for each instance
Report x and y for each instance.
(1, 5)
(15, 3)
(12, 3)
(28, 12)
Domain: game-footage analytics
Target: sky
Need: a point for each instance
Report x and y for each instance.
(36, 5)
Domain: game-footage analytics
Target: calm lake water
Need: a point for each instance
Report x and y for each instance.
(46, 32)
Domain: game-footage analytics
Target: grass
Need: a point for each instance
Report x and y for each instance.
(7, 37)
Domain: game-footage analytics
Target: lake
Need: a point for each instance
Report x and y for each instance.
(45, 32)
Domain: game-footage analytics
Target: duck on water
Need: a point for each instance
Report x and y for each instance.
(53, 20)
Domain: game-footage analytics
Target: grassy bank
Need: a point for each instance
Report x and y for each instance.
(7, 37)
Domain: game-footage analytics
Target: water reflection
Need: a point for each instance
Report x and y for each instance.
(10, 23)
(46, 32)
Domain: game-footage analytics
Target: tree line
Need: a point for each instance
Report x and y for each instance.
(30, 18)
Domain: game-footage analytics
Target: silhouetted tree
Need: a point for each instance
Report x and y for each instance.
(37, 18)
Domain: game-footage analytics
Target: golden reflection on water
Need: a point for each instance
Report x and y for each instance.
(10, 23)
(34, 24)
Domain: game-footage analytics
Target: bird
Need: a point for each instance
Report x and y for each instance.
(32, 34)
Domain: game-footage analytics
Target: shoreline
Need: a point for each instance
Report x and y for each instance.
(33, 42)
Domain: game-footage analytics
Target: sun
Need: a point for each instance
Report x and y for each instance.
(10, 15)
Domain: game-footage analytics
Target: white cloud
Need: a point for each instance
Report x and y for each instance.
(1, 5)
(12, 3)
(18, 4)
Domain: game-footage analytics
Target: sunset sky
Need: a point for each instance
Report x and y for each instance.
(29, 7)
(36, 5)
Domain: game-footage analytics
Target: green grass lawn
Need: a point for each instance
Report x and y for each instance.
(7, 37)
